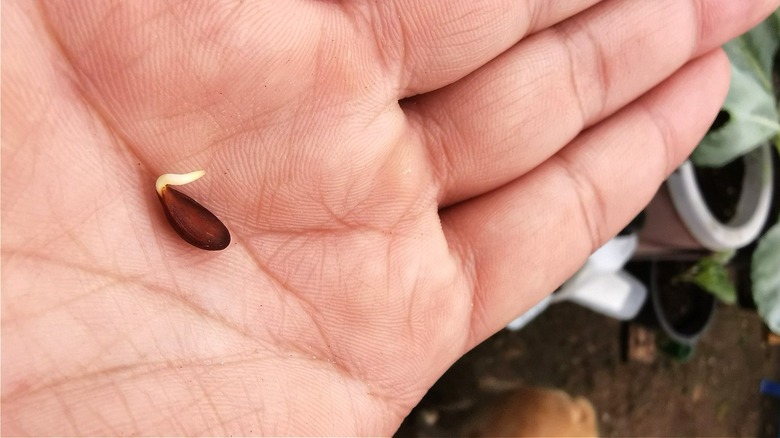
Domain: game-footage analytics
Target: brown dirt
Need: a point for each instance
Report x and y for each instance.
(715, 393)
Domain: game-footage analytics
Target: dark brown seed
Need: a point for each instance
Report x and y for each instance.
(192, 222)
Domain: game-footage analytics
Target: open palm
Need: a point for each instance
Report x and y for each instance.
(400, 180)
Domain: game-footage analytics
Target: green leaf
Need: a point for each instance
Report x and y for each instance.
(750, 104)
(765, 273)
(711, 275)
(675, 350)
(755, 50)
(777, 141)
(723, 257)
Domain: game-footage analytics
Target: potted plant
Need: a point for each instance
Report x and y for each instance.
(721, 198)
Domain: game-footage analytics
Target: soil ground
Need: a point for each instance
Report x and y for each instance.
(714, 393)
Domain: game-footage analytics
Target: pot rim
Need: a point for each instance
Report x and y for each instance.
(751, 212)
(666, 326)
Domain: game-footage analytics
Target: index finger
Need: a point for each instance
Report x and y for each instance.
(431, 44)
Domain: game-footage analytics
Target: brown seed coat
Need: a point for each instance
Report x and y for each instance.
(192, 221)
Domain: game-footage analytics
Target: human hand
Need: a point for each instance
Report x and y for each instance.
(374, 242)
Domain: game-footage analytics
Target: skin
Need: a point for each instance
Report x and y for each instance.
(400, 179)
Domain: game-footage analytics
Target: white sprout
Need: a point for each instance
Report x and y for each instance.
(177, 179)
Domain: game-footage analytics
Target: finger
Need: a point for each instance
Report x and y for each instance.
(495, 125)
(521, 241)
(438, 43)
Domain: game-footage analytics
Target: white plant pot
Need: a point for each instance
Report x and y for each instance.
(678, 218)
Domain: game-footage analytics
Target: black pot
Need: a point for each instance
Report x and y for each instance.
(682, 310)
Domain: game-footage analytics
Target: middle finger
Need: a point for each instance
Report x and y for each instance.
(521, 108)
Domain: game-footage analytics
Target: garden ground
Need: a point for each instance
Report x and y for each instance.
(714, 393)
